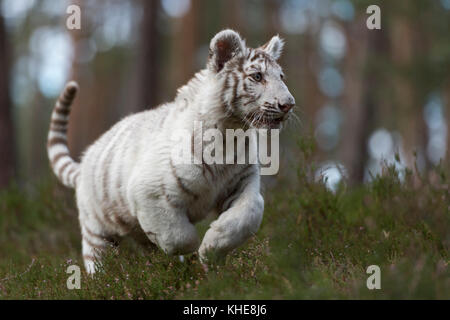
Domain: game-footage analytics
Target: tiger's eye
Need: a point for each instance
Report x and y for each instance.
(257, 76)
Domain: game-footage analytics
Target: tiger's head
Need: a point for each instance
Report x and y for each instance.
(252, 88)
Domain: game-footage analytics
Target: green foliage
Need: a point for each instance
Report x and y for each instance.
(313, 243)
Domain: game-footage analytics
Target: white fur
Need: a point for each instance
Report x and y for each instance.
(127, 177)
(274, 47)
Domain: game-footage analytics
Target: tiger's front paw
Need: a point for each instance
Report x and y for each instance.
(212, 249)
(211, 257)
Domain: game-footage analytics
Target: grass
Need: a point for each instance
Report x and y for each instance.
(313, 243)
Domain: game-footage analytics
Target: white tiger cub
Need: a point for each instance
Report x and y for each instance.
(128, 177)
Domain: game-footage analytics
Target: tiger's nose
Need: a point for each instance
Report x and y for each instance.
(286, 107)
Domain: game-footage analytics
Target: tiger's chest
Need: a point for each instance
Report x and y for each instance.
(209, 186)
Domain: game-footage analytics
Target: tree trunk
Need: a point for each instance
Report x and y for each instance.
(95, 109)
(233, 11)
(184, 48)
(271, 18)
(7, 158)
(408, 100)
(357, 102)
(149, 78)
(446, 95)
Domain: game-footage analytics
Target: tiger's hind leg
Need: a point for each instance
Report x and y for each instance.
(95, 240)
(94, 244)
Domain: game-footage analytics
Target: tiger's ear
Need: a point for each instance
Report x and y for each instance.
(223, 47)
(274, 47)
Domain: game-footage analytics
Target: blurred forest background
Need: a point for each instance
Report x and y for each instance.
(363, 95)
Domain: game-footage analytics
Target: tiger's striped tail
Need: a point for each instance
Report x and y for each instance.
(64, 167)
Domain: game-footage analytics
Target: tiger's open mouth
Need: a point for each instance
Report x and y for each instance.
(266, 120)
(273, 122)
